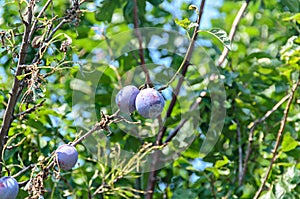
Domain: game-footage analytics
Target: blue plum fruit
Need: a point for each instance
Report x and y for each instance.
(9, 188)
(125, 98)
(149, 103)
(67, 156)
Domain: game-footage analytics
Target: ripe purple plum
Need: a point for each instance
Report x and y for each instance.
(67, 156)
(149, 103)
(125, 98)
(9, 188)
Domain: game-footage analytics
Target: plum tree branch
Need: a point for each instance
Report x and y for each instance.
(17, 84)
(251, 134)
(233, 30)
(278, 139)
(103, 124)
(140, 41)
(185, 64)
(105, 121)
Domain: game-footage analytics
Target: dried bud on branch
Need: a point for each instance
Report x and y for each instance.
(36, 42)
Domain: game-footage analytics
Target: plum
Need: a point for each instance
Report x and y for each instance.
(125, 98)
(9, 188)
(67, 156)
(149, 103)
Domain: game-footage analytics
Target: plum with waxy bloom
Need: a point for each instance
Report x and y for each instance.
(149, 103)
(125, 98)
(67, 156)
(9, 188)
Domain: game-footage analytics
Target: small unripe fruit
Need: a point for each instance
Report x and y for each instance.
(149, 103)
(9, 188)
(125, 98)
(67, 156)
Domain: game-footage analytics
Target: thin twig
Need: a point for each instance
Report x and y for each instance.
(81, 2)
(212, 185)
(240, 150)
(233, 30)
(45, 45)
(33, 28)
(61, 23)
(24, 170)
(251, 134)
(122, 119)
(30, 110)
(140, 41)
(15, 145)
(23, 183)
(95, 128)
(279, 135)
(102, 125)
(181, 124)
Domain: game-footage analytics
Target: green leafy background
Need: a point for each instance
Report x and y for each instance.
(262, 64)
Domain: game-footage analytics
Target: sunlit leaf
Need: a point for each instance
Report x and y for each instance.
(184, 23)
(288, 143)
(221, 163)
(220, 35)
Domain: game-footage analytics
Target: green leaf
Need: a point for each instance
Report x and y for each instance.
(185, 23)
(257, 55)
(20, 77)
(128, 10)
(220, 35)
(105, 12)
(181, 192)
(221, 163)
(293, 5)
(288, 143)
(155, 2)
(268, 195)
(224, 172)
(290, 52)
(294, 17)
(214, 171)
(248, 189)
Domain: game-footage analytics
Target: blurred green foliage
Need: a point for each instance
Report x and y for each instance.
(261, 67)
